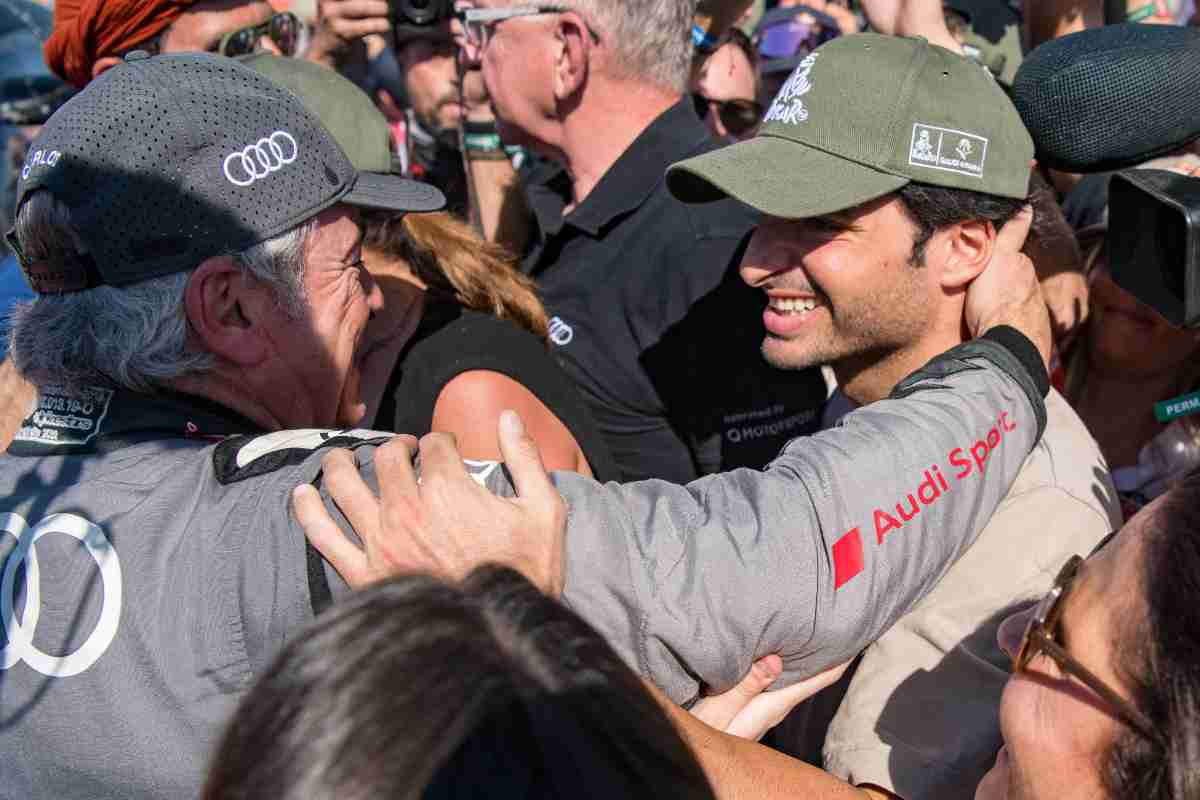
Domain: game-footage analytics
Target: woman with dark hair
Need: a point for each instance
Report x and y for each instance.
(415, 688)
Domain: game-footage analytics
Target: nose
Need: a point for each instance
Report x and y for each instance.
(1012, 630)
(766, 254)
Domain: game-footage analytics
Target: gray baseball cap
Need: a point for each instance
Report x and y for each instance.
(169, 160)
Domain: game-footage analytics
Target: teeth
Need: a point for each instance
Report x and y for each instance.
(788, 305)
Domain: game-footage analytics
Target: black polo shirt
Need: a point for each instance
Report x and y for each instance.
(652, 321)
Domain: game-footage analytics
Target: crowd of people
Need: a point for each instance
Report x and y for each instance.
(464, 398)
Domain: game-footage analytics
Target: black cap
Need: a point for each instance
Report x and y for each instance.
(169, 160)
(1112, 97)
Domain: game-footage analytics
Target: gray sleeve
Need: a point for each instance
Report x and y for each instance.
(816, 556)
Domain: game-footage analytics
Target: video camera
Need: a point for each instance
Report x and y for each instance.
(1111, 98)
(414, 19)
(1153, 240)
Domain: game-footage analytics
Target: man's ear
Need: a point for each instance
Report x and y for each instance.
(575, 47)
(228, 312)
(963, 250)
(102, 64)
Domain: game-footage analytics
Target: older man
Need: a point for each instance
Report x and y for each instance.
(649, 317)
(193, 236)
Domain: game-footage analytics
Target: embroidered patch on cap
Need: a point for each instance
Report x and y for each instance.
(947, 149)
(789, 104)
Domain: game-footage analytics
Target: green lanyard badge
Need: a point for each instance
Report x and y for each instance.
(1177, 407)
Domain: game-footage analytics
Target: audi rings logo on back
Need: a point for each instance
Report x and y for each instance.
(256, 161)
(20, 627)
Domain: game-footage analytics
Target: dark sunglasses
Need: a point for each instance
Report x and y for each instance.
(1040, 638)
(738, 116)
(283, 28)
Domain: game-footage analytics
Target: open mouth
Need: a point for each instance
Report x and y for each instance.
(792, 305)
(786, 315)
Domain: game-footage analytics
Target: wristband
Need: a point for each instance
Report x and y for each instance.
(482, 142)
(469, 127)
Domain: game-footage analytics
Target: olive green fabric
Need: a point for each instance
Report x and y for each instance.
(344, 109)
(862, 116)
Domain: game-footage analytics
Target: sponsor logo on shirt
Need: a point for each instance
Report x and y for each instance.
(560, 332)
(765, 423)
(20, 625)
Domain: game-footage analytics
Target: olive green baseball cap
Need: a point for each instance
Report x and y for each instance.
(344, 109)
(862, 116)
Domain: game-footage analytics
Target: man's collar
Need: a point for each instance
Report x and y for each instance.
(95, 418)
(675, 134)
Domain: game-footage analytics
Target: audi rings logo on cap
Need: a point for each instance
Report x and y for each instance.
(256, 161)
(19, 625)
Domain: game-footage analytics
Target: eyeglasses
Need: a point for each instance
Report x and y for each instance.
(478, 22)
(738, 116)
(1039, 638)
(283, 28)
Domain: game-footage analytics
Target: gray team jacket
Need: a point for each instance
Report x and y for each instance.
(152, 568)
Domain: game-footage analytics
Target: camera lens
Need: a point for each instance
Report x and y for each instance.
(420, 12)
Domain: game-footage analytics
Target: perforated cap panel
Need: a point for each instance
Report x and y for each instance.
(167, 161)
(1111, 97)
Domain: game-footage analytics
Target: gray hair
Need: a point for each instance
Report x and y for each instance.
(652, 39)
(135, 336)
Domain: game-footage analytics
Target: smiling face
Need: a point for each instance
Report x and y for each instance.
(1056, 730)
(839, 287)
(321, 351)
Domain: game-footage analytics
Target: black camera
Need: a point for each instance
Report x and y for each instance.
(1153, 241)
(412, 19)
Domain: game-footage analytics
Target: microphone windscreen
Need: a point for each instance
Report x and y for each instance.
(1111, 97)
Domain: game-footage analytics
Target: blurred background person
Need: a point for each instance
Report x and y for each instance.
(91, 36)
(429, 139)
(1126, 359)
(727, 88)
(785, 36)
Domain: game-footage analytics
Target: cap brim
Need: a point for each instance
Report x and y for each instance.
(779, 177)
(393, 193)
